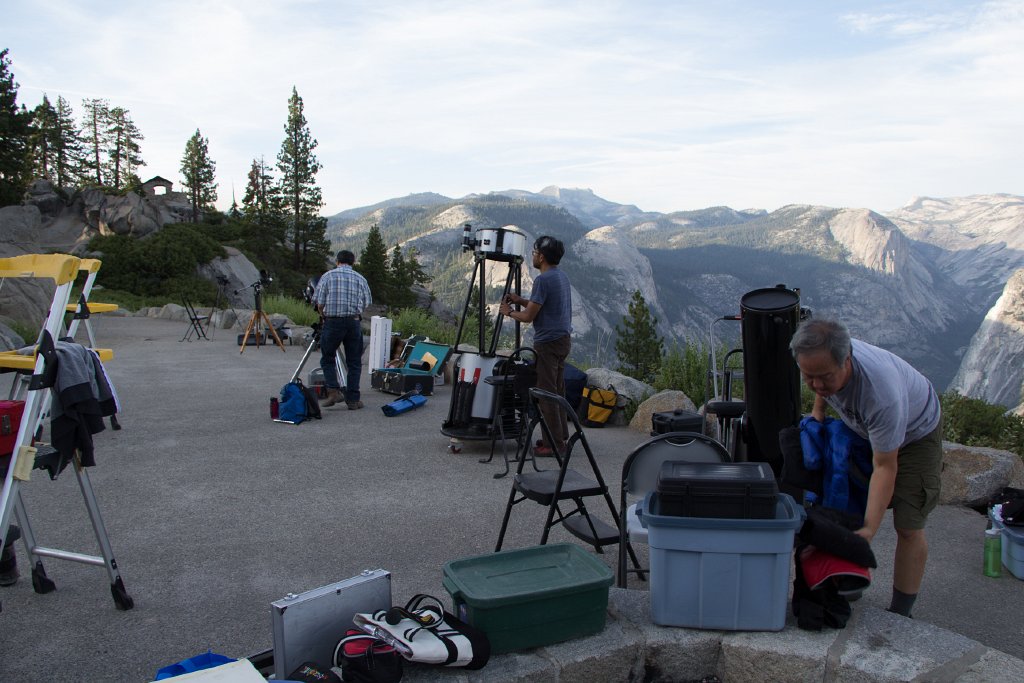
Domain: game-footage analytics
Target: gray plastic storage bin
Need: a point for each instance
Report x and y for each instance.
(713, 573)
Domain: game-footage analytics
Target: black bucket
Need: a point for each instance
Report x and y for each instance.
(771, 379)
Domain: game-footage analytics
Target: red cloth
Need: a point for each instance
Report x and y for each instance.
(820, 566)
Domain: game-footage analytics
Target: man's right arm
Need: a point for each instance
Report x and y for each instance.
(820, 406)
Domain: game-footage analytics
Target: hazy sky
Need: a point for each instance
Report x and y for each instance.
(666, 105)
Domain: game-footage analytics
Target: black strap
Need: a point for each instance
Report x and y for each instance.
(48, 351)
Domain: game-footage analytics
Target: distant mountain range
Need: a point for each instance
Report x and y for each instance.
(918, 281)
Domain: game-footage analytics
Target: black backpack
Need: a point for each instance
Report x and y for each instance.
(312, 404)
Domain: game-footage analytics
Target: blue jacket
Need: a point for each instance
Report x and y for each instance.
(845, 459)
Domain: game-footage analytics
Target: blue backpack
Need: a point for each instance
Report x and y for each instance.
(292, 407)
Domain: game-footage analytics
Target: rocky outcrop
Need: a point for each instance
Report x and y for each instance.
(234, 274)
(993, 367)
(971, 475)
(661, 402)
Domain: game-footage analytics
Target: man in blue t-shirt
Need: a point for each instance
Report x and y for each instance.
(549, 308)
(880, 396)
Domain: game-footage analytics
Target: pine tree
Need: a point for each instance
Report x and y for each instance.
(199, 173)
(69, 154)
(124, 156)
(95, 134)
(638, 346)
(14, 138)
(400, 280)
(301, 195)
(261, 205)
(416, 272)
(42, 139)
(373, 264)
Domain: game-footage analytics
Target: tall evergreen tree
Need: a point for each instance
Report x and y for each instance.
(124, 155)
(199, 173)
(416, 272)
(301, 195)
(68, 156)
(638, 346)
(14, 138)
(43, 139)
(400, 280)
(95, 133)
(373, 264)
(261, 206)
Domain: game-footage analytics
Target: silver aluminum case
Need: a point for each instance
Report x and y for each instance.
(308, 626)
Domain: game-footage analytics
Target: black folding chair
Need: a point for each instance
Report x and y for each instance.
(195, 322)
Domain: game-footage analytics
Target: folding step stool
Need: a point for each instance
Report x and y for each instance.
(552, 486)
(62, 269)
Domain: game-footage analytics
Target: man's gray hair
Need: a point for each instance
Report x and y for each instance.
(822, 334)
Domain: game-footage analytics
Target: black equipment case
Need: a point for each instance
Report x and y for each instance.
(678, 420)
(728, 490)
(418, 372)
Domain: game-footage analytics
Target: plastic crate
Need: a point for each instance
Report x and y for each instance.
(530, 597)
(1012, 544)
(728, 574)
(735, 490)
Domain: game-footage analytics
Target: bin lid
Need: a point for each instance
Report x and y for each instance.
(788, 515)
(510, 576)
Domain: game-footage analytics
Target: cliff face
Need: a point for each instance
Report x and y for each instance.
(993, 367)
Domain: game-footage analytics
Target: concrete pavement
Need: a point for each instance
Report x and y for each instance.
(214, 512)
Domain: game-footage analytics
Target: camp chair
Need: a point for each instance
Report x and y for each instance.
(640, 475)
(62, 269)
(554, 488)
(195, 322)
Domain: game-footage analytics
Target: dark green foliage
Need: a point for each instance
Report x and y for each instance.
(14, 138)
(301, 196)
(684, 368)
(163, 263)
(973, 422)
(261, 207)
(124, 156)
(373, 264)
(638, 346)
(198, 172)
(400, 279)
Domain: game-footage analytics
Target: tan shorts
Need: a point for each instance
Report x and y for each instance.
(918, 481)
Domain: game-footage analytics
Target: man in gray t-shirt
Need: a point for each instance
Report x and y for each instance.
(549, 308)
(881, 397)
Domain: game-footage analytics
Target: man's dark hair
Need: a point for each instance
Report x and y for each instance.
(346, 257)
(550, 248)
(822, 334)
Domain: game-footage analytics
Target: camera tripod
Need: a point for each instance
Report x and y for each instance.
(339, 361)
(258, 319)
(222, 283)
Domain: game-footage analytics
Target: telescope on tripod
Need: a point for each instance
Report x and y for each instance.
(470, 415)
(259, 318)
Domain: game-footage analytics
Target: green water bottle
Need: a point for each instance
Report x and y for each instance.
(993, 553)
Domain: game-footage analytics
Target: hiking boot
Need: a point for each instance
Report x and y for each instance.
(354, 405)
(333, 396)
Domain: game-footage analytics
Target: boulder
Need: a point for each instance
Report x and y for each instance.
(19, 229)
(234, 274)
(971, 475)
(9, 339)
(43, 195)
(119, 215)
(632, 389)
(663, 401)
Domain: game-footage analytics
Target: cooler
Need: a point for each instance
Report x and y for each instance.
(10, 421)
(728, 574)
(731, 490)
(530, 597)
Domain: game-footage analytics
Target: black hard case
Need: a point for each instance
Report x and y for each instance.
(727, 490)
(677, 421)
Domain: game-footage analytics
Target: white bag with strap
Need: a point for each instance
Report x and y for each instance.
(424, 632)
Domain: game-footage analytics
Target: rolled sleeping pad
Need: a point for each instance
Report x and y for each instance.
(403, 405)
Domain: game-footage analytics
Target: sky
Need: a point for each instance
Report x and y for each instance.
(670, 105)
